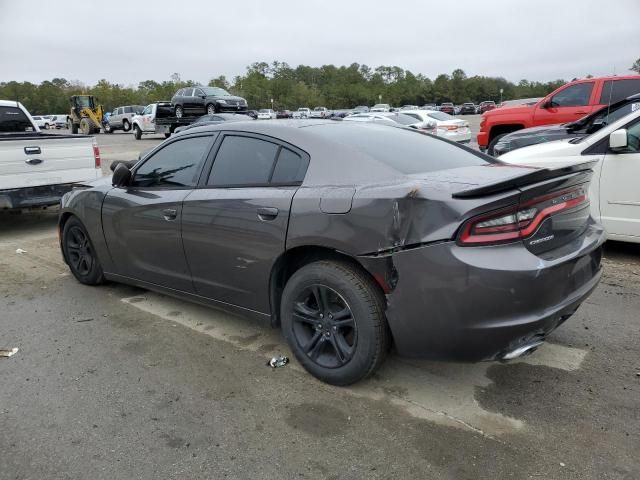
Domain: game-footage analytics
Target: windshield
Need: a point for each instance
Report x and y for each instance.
(441, 116)
(264, 111)
(215, 91)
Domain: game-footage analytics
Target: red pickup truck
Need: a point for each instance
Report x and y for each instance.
(566, 104)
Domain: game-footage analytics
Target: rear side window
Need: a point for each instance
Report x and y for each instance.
(290, 167)
(176, 165)
(404, 150)
(621, 90)
(13, 120)
(243, 161)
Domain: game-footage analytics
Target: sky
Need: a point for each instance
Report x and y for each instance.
(127, 41)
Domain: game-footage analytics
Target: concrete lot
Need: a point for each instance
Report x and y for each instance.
(118, 383)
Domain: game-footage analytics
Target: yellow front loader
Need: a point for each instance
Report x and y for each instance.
(85, 115)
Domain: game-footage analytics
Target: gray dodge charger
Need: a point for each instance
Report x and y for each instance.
(352, 238)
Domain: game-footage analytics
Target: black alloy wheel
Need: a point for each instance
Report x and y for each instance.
(324, 326)
(333, 318)
(80, 253)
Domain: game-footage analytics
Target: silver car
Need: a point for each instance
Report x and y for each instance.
(120, 118)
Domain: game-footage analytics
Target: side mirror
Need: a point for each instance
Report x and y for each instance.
(547, 104)
(121, 176)
(618, 139)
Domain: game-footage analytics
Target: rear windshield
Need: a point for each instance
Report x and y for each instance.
(13, 120)
(440, 116)
(402, 119)
(403, 150)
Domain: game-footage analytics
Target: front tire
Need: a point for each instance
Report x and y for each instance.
(492, 144)
(333, 320)
(212, 109)
(137, 133)
(80, 254)
(179, 111)
(126, 126)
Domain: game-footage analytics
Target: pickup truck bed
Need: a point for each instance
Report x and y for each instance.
(36, 169)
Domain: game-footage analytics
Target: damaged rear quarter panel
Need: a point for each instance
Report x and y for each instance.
(383, 217)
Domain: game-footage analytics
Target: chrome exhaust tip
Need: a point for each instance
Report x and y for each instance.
(522, 350)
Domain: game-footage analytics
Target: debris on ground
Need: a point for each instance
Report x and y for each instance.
(8, 353)
(20, 251)
(277, 362)
(84, 320)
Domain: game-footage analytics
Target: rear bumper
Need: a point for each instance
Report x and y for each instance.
(33, 197)
(477, 303)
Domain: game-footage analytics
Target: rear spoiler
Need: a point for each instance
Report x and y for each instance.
(534, 176)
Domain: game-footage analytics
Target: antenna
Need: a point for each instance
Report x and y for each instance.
(610, 94)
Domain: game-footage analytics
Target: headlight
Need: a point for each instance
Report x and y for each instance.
(223, 102)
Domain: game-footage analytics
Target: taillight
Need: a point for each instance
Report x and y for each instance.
(514, 223)
(96, 156)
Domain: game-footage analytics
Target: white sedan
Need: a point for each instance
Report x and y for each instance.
(448, 127)
(266, 114)
(613, 192)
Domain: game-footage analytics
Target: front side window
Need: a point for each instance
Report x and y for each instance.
(573, 96)
(147, 110)
(128, 110)
(176, 165)
(243, 161)
(198, 92)
(13, 120)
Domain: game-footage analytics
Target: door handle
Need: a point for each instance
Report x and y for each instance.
(32, 150)
(267, 213)
(33, 161)
(169, 214)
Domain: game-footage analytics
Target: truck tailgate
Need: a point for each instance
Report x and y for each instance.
(46, 160)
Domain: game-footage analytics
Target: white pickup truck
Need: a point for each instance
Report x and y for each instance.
(37, 168)
(158, 117)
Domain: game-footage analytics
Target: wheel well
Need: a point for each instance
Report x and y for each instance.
(500, 129)
(296, 258)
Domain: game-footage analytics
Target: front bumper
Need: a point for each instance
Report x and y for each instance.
(477, 303)
(483, 139)
(233, 108)
(33, 197)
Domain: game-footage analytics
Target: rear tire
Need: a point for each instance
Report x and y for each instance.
(212, 109)
(108, 129)
(137, 132)
(80, 254)
(492, 144)
(179, 111)
(167, 135)
(333, 320)
(73, 127)
(126, 126)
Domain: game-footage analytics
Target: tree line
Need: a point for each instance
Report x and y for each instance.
(303, 86)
